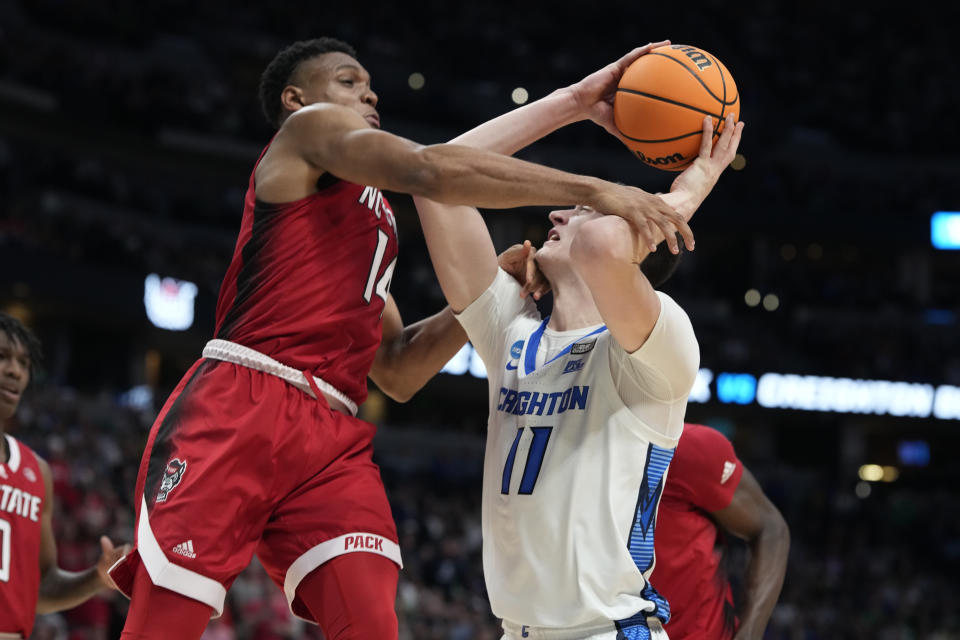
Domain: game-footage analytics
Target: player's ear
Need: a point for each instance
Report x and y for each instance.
(291, 98)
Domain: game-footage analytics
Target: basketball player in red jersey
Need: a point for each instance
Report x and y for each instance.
(257, 449)
(30, 580)
(708, 490)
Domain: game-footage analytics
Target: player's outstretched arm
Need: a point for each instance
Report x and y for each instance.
(605, 253)
(754, 518)
(329, 138)
(590, 98)
(61, 589)
(457, 238)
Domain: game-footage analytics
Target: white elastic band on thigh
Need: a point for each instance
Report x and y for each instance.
(325, 551)
(253, 359)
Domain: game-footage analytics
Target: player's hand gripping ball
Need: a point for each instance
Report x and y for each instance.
(662, 98)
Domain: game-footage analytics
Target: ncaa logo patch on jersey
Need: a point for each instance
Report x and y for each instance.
(29, 475)
(516, 350)
(172, 475)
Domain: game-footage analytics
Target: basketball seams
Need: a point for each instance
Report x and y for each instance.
(680, 137)
(723, 103)
(669, 101)
(694, 73)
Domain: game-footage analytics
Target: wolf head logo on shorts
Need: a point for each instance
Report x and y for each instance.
(171, 478)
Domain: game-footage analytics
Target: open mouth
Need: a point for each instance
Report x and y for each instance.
(553, 235)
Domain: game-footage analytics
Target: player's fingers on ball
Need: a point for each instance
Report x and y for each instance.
(624, 62)
(706, 137)
(728, 129)
(655, 45)
(737, 133)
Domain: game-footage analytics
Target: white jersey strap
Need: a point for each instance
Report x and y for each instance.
(253, 359)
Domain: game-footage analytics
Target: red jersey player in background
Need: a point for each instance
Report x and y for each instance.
(30, 580)
(708, 490)
(257, 449)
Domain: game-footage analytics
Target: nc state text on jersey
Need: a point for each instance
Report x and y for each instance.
(20, 502)
(373, 199)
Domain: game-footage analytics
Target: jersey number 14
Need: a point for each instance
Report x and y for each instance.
(379, 286)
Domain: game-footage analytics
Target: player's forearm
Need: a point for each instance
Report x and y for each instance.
(765, 573)
(418, 354)
(514, 130)
(683, 202)
(61, 589)
(456, 174)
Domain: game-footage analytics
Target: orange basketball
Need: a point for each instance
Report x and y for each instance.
(662, 99)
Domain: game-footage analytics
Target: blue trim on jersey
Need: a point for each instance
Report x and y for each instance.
(633, 628)
(533, 345)
(508, 468)
(640, 542)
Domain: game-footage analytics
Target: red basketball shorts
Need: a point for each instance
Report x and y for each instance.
(239, 461)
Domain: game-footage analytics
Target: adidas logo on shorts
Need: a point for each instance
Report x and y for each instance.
(728, 469)
(185, 549)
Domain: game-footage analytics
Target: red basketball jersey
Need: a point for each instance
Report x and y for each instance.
(21, 506)
(309, 279)
(703, 477)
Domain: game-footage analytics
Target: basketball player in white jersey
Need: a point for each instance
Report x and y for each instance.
(586, 405)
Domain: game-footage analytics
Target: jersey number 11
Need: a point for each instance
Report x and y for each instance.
(531, 470)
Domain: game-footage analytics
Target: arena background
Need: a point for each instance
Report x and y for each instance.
(127, 133)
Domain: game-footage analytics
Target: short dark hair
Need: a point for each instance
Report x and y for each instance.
(660, 265)
(17, 332)
(278, 73)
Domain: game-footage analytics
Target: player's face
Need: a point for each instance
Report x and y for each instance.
(338, 78)
(566, 225)
(14, 374)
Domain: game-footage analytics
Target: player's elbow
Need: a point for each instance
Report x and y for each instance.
(780, 529)
(44, 607)
(775, 529)
(399, 392)
(394, 385)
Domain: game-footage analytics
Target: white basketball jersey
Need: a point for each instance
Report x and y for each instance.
(572, 475)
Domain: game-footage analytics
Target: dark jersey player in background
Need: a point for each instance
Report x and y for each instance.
(257, 449)
(30, 580)
(708, 490)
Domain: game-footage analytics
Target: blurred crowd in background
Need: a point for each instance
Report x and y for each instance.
(880, 566)
(128, 131)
